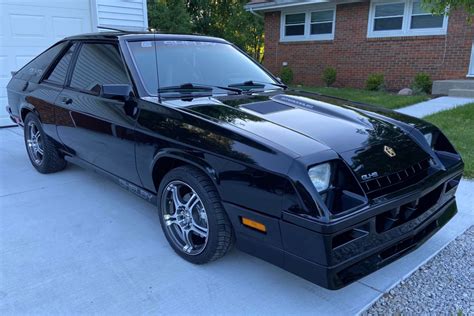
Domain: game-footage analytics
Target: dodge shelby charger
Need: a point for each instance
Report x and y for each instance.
(326, 188)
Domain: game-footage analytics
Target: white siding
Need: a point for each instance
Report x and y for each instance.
(121, 14)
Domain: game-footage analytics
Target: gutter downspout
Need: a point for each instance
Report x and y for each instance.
(255, 13)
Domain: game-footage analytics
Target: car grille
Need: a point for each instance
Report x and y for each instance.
(394, 181)
(408, 211)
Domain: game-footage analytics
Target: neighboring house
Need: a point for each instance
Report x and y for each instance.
(394, 37)
(27, 27)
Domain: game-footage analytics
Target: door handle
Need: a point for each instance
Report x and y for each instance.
(66, 100)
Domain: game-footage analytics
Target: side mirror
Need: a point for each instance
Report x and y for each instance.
(116, 91)
(279, 80)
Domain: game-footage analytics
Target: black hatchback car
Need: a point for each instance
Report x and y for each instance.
(323, 187)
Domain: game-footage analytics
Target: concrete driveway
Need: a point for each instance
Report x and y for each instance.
(75, 243)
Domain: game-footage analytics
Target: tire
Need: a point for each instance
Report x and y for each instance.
(186, 182)
(43, 154)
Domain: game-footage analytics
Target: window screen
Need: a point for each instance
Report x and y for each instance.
(96, 65)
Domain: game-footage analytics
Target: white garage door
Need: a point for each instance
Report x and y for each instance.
(27, 27)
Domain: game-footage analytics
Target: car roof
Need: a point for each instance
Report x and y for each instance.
(136, 36)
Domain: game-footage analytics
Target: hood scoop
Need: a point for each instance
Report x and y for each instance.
(322, 108)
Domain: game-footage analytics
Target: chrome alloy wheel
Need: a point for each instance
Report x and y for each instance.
(34, 141)
(185, 217)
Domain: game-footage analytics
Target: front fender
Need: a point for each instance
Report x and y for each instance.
(187, 158)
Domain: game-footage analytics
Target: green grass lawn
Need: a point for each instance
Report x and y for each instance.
(458, 125)
(385, 99)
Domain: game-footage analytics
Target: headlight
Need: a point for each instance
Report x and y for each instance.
(429, 138)
(320, 176)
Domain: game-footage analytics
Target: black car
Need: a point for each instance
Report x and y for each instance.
(326, 188)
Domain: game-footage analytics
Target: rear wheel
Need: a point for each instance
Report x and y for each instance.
(192, 216)
(42, 152)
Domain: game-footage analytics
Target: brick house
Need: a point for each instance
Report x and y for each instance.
(394, 37)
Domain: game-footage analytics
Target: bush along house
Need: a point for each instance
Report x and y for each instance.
(396, 38)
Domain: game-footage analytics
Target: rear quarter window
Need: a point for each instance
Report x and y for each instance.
(59, 72)
(34, 70)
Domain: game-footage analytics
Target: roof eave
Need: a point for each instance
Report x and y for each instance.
(273, 6)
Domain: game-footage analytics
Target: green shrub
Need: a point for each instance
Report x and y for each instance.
(286, 75)
(422, 83)
(375, 82)
(329, 76)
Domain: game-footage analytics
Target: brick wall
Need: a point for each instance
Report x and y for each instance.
(355, 56)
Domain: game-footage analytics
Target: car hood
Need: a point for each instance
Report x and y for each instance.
(307, 123)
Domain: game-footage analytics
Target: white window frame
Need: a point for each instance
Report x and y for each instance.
(470, 72)
(307, 26)
(406, 30)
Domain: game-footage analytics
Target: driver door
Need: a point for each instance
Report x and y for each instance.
(97, 130)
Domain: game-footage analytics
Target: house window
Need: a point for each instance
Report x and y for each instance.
(403, 18)
(294, 24)
(312, 25)
(322, 22)
(389, 16)
(421, 19)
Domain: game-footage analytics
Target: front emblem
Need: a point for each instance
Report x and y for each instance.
(389, 151)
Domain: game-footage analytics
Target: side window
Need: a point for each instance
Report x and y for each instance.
(58, 75)
(35, 68)
(96, 65)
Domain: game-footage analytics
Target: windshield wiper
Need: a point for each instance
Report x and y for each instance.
(188, 88)
(257, 84)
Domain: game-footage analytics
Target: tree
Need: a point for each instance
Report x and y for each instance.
(170, 16)
(443, 6)
(229, 20)
(221, 18)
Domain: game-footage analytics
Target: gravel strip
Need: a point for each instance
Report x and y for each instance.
(444, 285)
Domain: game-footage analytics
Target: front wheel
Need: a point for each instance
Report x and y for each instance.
(192, 216)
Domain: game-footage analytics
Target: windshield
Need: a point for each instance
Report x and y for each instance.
(203, 63)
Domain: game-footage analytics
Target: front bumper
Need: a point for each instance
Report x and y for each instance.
(333, 255)
(359, 263)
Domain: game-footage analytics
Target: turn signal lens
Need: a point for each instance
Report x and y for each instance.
(255, 225)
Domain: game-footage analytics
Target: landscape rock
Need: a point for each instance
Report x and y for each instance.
(405, 91)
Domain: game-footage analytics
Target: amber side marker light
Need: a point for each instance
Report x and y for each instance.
(253, 224)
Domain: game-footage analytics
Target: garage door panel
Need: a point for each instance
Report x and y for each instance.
(3, 104)
(65, 26)
(3, 66)
(28, 27)
(3, 92)
(20, 61)
(54, 4)
(3, 83)
(42, 28)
